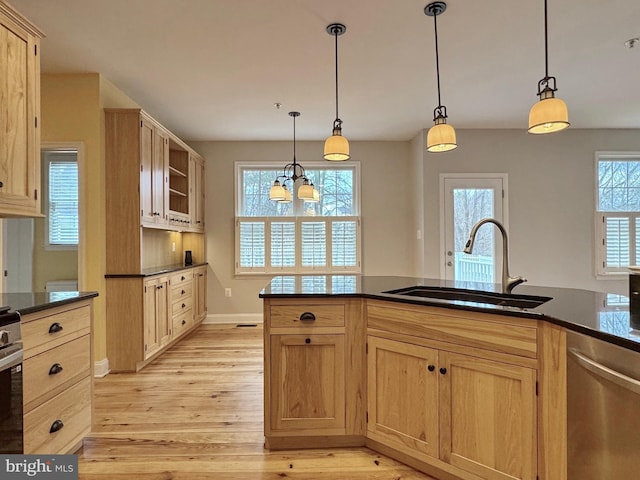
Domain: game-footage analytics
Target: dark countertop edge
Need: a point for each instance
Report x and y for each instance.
(150, 272)
(609, 338)
(47, 304)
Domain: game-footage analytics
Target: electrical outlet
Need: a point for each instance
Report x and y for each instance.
(227, 292)
(173, 246)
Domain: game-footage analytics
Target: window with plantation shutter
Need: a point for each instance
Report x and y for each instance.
(61, 200)
(298, 237)
(617, 212)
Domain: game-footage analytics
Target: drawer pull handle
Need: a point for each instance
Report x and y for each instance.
(183, 277)
(184, 321)
(183, 292)
(307, 340)
(183, 305)
(307, 317)
(443, 371)
(431, 368)
(55, 369)
(56, 426)
(55, 328)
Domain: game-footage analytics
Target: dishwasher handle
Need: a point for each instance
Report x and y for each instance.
(607, 373)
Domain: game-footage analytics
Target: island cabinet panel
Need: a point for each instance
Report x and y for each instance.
(487, 417)
(403, 396)
(315, 373)
(454, 390)
(307, 377)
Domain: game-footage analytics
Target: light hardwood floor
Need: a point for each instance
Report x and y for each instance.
(196, 413)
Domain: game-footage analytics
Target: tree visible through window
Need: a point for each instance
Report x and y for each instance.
(297, 237)
(618, 211)
(61, 199)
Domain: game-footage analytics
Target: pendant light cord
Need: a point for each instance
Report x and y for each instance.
(335, 34)
(435, 29)
(546, 41)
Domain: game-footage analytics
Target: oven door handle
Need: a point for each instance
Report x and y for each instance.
(607, 373)
(11, 360)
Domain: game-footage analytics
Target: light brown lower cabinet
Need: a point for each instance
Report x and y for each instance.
(471, 413)
(456, 394)
(57, 380)
(147, 314)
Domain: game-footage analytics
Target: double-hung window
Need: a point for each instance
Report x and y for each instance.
(61, 200)
(298, 237)
(617, 211)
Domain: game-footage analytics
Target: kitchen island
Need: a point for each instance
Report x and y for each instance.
(454, 388)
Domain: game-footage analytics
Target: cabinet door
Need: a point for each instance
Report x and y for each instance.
(200, 291)
(160, 176)
(196, 178)
(19, 135)
(307, 384)
(488, 417)
(403, 396)
(151, 334)
(146, 172)
(163, 319)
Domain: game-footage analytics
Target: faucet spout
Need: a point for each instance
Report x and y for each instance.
(508, 282)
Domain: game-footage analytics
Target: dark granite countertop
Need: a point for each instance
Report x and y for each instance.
(151, 271)
(31, 302)
(601, 315)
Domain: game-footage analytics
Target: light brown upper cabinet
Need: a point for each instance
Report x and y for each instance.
(147, 180)
(19, 115)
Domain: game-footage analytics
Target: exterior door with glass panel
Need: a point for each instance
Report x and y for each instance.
(464, 201)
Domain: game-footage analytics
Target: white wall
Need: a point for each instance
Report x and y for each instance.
(551, 199)
(387, 199)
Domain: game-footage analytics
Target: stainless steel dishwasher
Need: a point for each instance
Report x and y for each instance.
(603, 390)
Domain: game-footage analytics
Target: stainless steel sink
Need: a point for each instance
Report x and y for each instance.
(473, 296)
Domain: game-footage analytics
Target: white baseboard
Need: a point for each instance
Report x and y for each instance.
(237, 318)
(101, 368)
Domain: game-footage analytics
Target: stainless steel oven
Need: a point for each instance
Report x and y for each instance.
(10, 383)
(603, 391)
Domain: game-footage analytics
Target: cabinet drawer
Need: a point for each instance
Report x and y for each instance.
(42, 333)
(180, 278)
(181, 306)
(473, 329)
(70, 411)
(181, 291)
(182, 322)
(308, 314)
(49, 372)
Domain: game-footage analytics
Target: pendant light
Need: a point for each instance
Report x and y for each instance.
(336, 147)
(549, 114)
(280, 192)
(441, 137)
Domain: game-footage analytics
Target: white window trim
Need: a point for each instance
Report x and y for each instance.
(45, 201)
(601, 271)
(298, 269)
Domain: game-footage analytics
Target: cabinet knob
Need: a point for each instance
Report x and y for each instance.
(183, 292)
(431, 368)
(56, 426)
(307, 317)
(183, 277)
(183, 305)
(443, 370)
(55, 328)
(1, 184)
(307, 340)
(184, 321)
(55, 369)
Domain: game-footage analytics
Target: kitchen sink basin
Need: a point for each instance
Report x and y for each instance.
(473, 296)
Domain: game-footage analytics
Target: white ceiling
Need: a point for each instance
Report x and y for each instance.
(213, 69)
